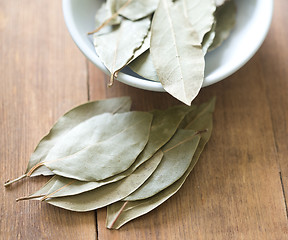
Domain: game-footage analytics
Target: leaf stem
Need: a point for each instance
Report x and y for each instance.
(28, 198)
(59, 189)
(120, 211)
(106, 22)
(34, 168)
(112, 78)
(8, 182)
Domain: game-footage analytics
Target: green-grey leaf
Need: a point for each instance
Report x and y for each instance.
(225, 16)
(104, 13)
(100, 147)
(122, 212)
(198, 117)
(70, 120)
(178, 153)
(144, 47)
(200, 14)
(109, 193)
(116, 48)
(133, 9)
(179, 60)
(208, 39)
(164, 125)
(143, 66)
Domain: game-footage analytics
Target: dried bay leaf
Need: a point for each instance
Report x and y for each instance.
(179, 62)
(103, 15)
(164, 125)
(143, 66)
(194, 117)
(208, 39)
(83, 154)
(116, 48)
(200, 14)
(144, 47)
(133, 9)
(69, 120)
(109, 193)
(197, 118)
(107, 15)
(122, 212)
(225, 16)
(178, 153)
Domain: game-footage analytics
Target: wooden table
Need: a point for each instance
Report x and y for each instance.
(239, 188)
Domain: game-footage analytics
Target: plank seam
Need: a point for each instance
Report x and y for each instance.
(96, 223)
(284, 196)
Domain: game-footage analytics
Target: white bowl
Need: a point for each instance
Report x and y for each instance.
(252, 25)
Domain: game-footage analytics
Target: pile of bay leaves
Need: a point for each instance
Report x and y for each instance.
(102, 154)
(162, 40)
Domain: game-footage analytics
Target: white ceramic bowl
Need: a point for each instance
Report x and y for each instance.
(252, 25)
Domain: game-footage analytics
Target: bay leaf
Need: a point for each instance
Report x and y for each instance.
(109, 193)
(143, 66)
(101, 146)
(122, 43)
(133, 9)
(179, 61)
(163, 127)
(208, 39)
(178, 153)
(122, 212)
(69, 120)
(200, 14)
(144, 47)
(142, 63)
(104, 14)
(196, 119)
(225, 16)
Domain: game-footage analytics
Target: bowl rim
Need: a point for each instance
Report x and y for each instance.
(146, 84)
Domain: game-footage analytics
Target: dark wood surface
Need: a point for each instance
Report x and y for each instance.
(236, 191)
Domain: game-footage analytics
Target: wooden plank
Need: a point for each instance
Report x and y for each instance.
(43, 75)
(275, 68)
(235, 191)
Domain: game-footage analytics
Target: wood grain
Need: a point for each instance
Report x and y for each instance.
(274, 70)
(236, 191)
(43, 75)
